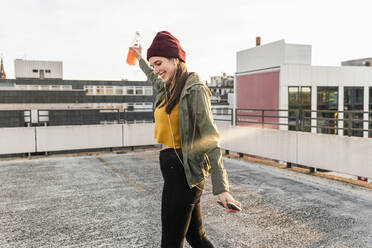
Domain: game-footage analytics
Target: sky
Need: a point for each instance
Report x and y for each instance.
(91, 37)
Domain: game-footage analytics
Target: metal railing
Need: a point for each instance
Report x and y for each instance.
(353, 120)
(59, 117)
(261, 117)
(327, 121)
(350, 123)
(223, 114)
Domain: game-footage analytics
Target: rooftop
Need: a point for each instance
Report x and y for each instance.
(113, 200)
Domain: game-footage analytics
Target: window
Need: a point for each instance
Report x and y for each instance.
(119, 91)
(120, 108)
(35, 70)
(109, 90)
(147, 107)
(327, 110)
(353, 107)
(130, 90)
(130, 107)
(100, 90)
(139, 90)
(47, 71)
(293, 95)
(299, 106)
(89, 90)
(148, 91)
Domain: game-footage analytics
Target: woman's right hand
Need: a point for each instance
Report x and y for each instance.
(137, 51)
(225, 197)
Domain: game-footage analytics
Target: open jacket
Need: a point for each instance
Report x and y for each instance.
(199, 136)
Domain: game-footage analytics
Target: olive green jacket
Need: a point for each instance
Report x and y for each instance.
(199, 136)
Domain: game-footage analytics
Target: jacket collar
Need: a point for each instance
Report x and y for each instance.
(191, 81)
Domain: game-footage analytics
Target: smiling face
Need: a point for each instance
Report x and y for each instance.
(164, 67)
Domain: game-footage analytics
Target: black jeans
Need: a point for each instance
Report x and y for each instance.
(180, 211)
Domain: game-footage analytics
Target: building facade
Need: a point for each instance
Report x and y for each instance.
(222, 89)
(47, 95)
(38, 69)
(280, 76)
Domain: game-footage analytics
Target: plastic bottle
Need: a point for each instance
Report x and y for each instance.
(131, 58)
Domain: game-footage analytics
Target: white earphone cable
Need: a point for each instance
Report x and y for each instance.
(171, 130)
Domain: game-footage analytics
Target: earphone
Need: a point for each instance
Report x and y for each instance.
(170, 126)
(171, 129)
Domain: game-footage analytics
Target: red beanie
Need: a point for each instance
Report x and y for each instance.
(166, 45)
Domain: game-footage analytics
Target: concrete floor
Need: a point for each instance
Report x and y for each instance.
(113, 200)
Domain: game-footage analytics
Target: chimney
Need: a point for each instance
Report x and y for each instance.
(258, 41)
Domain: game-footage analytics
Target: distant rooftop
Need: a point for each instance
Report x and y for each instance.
(358, 62)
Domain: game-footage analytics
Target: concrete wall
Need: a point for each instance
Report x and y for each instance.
(59, 138)
(138, 134)
(272, 55)
(23, 68)
(17, 140)
(348, 155)
(268, 143)
(261, 57)
(297, 54)
(307, 75)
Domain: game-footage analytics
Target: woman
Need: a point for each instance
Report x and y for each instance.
(190, 142)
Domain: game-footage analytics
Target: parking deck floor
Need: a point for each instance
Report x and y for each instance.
(113, 200)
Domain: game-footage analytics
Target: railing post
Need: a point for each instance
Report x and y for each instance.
(350, 124)
(263, 118)
(236, 116)
(297, 116)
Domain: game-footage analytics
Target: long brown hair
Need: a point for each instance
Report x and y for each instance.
(174, 88)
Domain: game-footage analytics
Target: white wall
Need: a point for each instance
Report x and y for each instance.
(138, 134)
(17, 140)
(269, 143)
(57, 138)
(348, 155)
(23, 68)
(307, 75)
(261, 57)
(271, 55)
(297, 54)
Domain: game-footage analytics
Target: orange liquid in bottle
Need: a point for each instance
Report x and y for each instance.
(131, 58)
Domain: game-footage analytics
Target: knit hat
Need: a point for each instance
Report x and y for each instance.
(166, 45)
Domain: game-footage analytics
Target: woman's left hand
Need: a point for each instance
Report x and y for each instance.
(225, 197)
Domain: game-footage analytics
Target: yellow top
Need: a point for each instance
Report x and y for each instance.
(163, 131)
